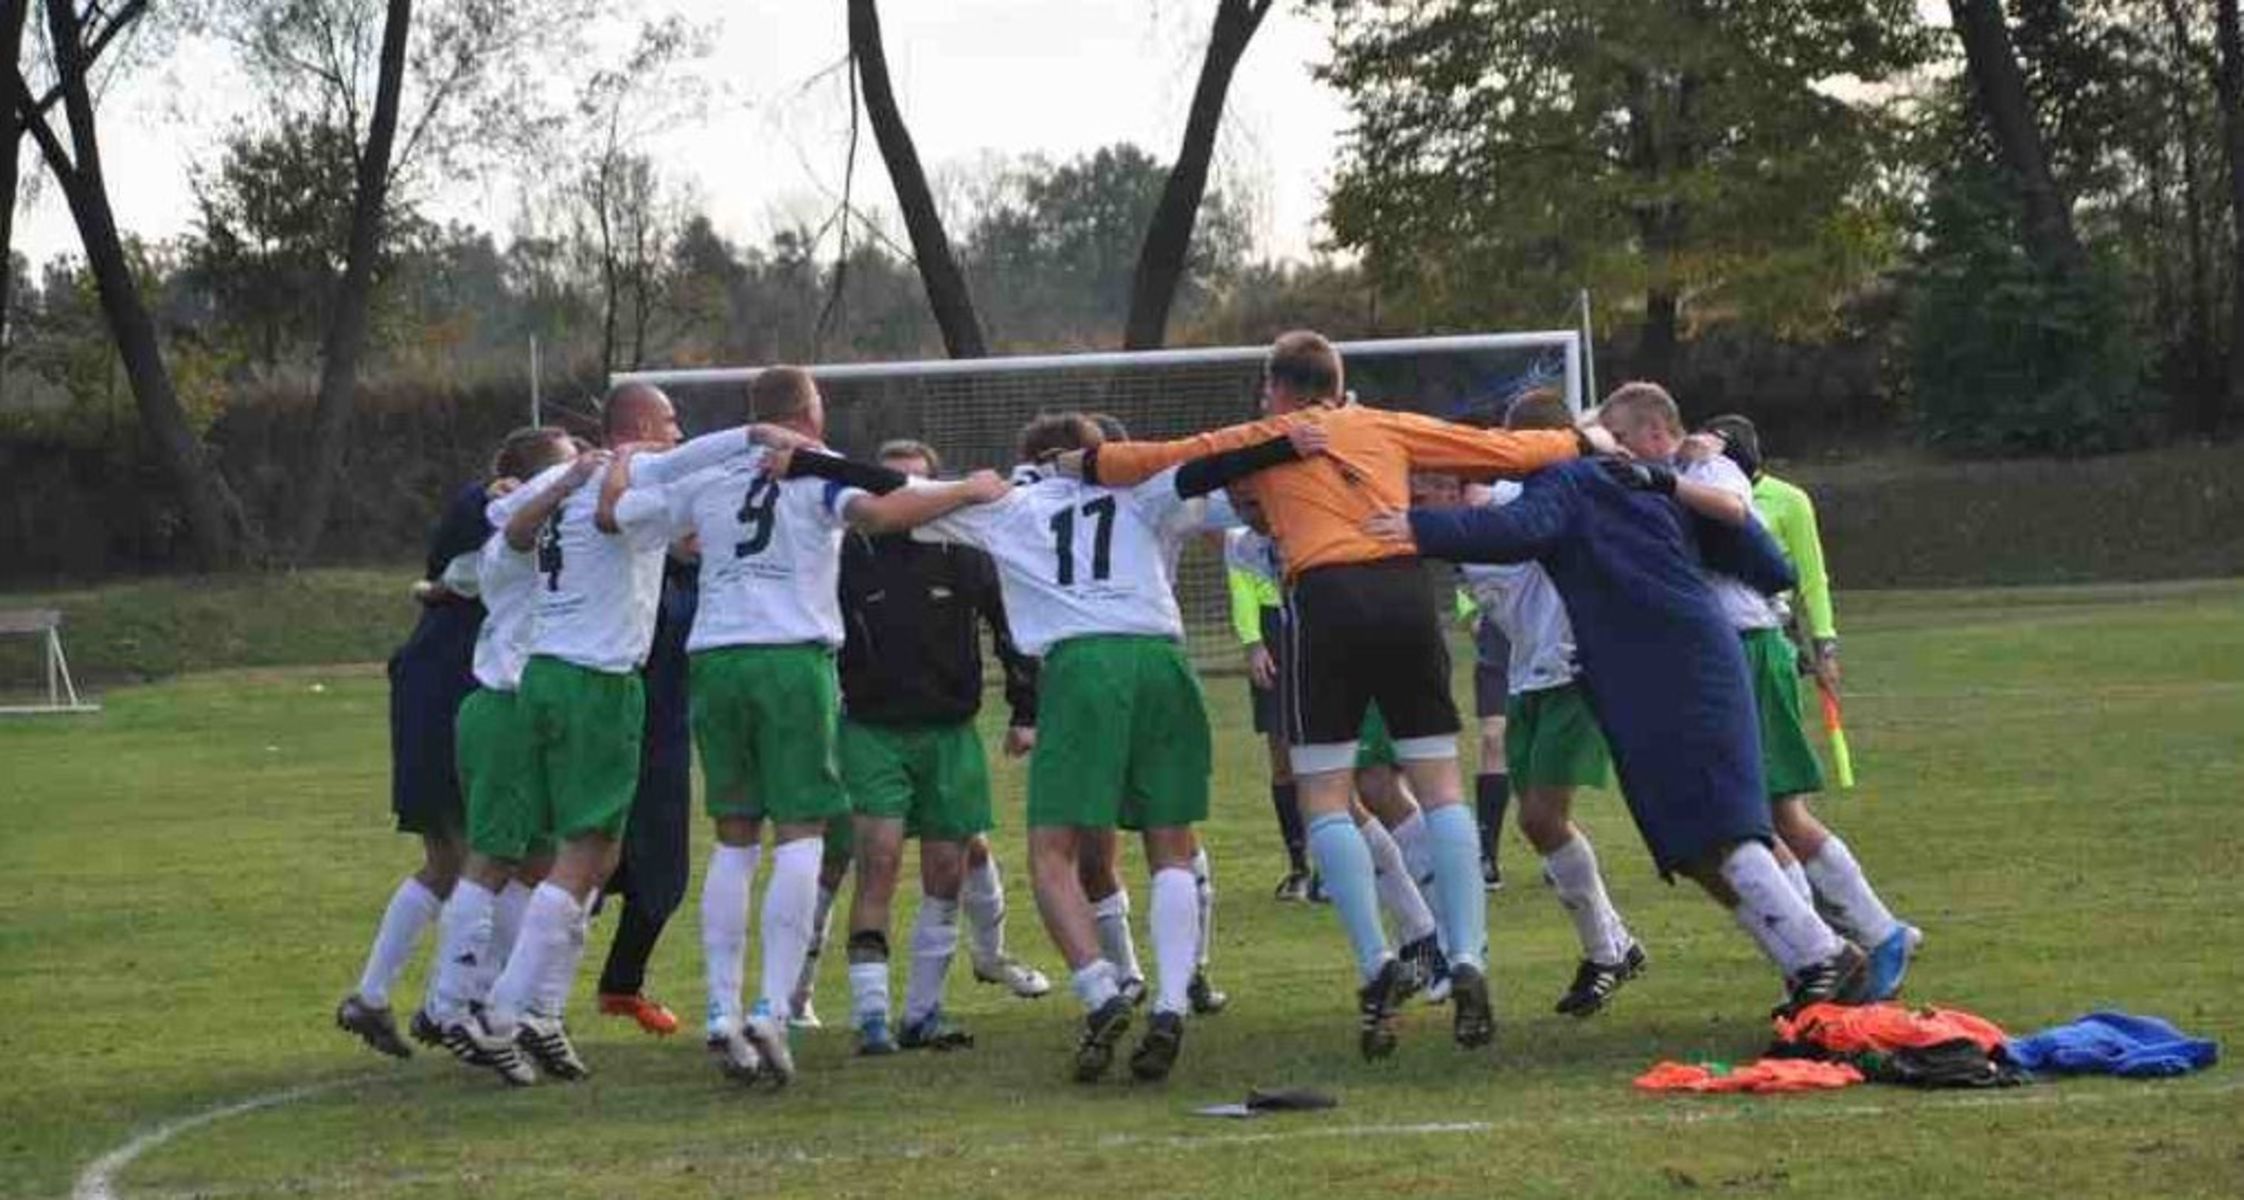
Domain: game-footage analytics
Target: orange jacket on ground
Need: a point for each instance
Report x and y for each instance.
(1317, 507)
(1765, 1075)
(1886, 1028)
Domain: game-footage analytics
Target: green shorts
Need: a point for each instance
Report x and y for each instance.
(1551, 739)
(1787, 760)
(584, 729)
(493, 747)
(1375, 747)
(1121, 737)
(934, 778)
(764, 720)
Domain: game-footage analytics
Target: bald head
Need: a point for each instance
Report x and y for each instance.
(639, 412)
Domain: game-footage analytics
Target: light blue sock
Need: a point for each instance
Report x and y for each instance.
(1345, 863)
(1464, 906)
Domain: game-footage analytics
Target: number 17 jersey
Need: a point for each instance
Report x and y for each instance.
(1075, 559)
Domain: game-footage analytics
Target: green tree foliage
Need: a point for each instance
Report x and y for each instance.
(1050, 260)
(1707, 158)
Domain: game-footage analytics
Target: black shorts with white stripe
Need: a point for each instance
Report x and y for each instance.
(1360, 633)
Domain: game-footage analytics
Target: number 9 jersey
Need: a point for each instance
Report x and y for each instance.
(1075, 559)
(770, 554)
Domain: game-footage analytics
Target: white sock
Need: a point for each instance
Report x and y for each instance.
(506, 926)
(1797, 876)
(983, 900)
(790, 906)
(1838, 878)
(725, 889)
(868, 991)
(1204, 888)
(551, 999)
(1581, 892)
(1176, 936)
(463, 951)
(1417, 847)
(1772, 914)
(546, 925)
(1115, 946)
(821, 928)
(413, 908)
(934, 944)
(1398, 890)
(1095, 984)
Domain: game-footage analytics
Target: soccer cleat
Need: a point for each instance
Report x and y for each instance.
(1472, 1017)
(932, 1032)
(1293, 888)
(475, 1045)
(1157, 1050)
(1133, 990)
(652, 1015)
(803, 1015)
(1101, 1030)
(1423, 963)
(1594, 983)
(1491, 876)
(424, 1028)
(769, 1038)
(1022, 980)
(1844, 978)
(374, 1026)
(873, 1038)
(1889, 961)
(546, 1041)
(1376, 1003)
(1317, 893)
(734, 1057)
(1205, 999)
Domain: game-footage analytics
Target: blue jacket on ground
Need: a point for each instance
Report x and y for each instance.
(2113, 1043)
(1662, 668)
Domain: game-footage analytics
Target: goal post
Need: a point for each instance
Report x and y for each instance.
(970, 410)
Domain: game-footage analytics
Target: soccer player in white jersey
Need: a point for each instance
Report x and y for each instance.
(1122, 731)
(599, 568)
(765, 703)
(1553, 746)
(477, 928)
(1644, 418)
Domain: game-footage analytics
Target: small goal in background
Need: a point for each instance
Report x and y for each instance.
(45, 625)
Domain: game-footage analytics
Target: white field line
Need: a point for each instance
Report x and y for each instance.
(97, 1182)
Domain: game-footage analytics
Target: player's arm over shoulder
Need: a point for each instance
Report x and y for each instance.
(1437, 445)
(1123, 464)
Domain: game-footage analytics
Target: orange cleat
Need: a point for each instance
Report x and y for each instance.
(652, 1015)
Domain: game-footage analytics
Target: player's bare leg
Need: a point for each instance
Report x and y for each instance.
(1610, 955)
(1842, 889)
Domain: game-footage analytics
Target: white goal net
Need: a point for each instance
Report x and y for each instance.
(971, 410)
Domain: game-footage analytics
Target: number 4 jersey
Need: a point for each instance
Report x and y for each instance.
(770, 554)
(1075, 559)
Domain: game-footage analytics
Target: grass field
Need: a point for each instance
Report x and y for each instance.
(2049, 787)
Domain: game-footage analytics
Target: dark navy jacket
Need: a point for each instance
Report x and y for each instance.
(1661, 666)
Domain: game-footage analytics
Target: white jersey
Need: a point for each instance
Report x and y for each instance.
(507, 580)
(770, 554)
(1075, 559)
(1525, 604)
(597, 592)
(1745, 607)
(687, 458)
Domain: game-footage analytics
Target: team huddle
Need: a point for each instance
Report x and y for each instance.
(835, 673)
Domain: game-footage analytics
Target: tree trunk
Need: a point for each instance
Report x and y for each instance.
(346, 331)
(2230, 81)
(938, 268)
(77, 170)
(12, 18)
(2197, 321)
(1168, 239)
(2000, 85)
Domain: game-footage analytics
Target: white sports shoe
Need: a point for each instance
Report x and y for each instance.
(547, 1043)
(734, 1056)
(1022, 980)
(804, 1016)
(768, 1038)
(475, 1045)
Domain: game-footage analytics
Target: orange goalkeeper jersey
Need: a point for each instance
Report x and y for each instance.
(1317, 507)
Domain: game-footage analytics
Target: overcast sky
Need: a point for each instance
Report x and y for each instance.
(975, 77)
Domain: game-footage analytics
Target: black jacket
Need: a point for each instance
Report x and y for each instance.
(913, 656)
